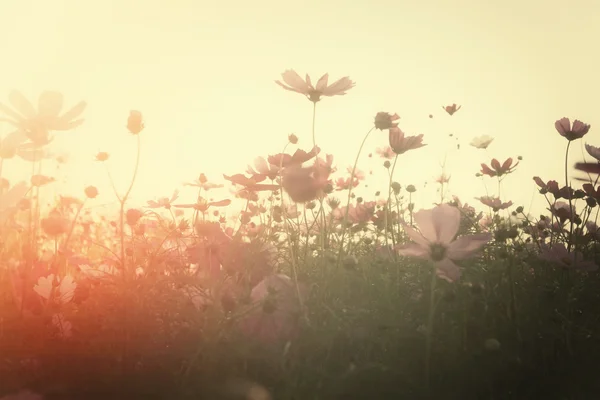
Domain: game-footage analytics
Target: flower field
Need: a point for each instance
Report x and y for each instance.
(312, 292)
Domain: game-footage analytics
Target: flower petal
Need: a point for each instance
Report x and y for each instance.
(413, 250)
(22, 105)
(446, 221)
(466, 246)
(49, 104)
(447, 270)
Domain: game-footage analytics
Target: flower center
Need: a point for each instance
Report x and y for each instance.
(437, 251)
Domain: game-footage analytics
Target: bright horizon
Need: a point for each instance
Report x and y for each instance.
(203, 76)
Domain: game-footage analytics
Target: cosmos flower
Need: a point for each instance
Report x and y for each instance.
(435, 242)
(498, 170)
(295, 83)
(494, 202)
(577, 131)
(558, 254)
(276, 318)
(482, 142)
(451, 109)
(400, 143)
(36, 124)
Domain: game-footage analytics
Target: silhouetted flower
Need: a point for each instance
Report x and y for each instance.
(296, 84)
(577, 131)
(384, 120)
(36, 125)
(497, 169)
(451, 109)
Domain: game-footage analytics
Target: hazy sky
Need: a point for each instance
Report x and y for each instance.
(202, 73)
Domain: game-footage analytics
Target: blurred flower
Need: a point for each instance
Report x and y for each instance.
(494, 202)
(10, 144)
(276, 319)
(304, 184)
(401, 143)
(293, 139)
(250, 184)
(384, 120)
(203, 205)
(497, 169)
(133, 216)
(41, 180)
(451, 109)
(102, 156)
(135, 123)
(63, 291)
(263, 169)
(296, 84)
(593, 151)
(577, 131)
(385, 152)
(299, 157)
(558, 254)
(435, 242)
(443, 178)
(163, 202)
(55, 224)
(10, 198)
(35, 125)
(203, 183)
(482, 142)
(91, 192)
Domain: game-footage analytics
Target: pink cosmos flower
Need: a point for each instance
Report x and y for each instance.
(558, 254)
(276, 318)
(295, 83)
(435, 241)
(400, 143)
(498, 170)
(577, 131)
(494, 202)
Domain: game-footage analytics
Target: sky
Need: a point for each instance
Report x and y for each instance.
(202, 73)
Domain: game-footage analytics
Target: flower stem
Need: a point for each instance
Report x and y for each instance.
(349, 197)
(430, 319)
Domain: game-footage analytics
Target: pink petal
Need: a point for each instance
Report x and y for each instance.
(466, 246)
(413, 250)
(50, 104)
(424, 220)
(447, 270)
(446, 220)
(416, 236)
(22, 105)
(322, 83)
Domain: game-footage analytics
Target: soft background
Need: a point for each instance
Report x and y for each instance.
(202, 73)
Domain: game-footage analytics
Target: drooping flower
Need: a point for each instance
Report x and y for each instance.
(384, 120)
(400, 143)
(577, 131)
(435, 241)
(36, 125)
(482, 142)
(498, 170)
(295, 83)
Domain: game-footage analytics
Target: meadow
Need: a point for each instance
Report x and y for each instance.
(311, 292)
